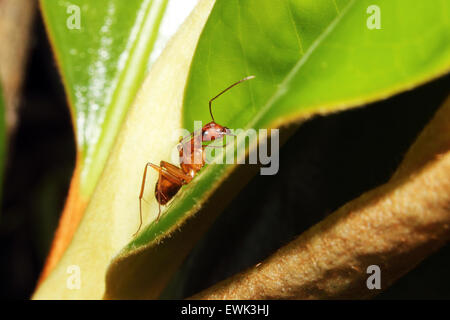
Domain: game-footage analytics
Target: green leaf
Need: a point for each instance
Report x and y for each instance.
(103, 49)
(146, 135)
(309, 57)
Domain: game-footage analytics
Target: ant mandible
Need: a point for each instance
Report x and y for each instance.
(172, 178)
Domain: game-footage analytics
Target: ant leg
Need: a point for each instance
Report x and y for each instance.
(175, 171)
(167, 175)
(159, 204)
(211, 146)
(141, 194)
(171, 176)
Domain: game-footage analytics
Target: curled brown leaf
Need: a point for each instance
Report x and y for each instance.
(394, 226)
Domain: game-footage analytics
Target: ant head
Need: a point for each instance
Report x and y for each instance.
(213, 131)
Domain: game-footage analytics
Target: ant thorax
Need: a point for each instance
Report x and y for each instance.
(192, 157)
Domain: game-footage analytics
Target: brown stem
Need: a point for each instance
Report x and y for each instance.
(394, 226)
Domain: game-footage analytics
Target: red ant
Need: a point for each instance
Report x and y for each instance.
(172, 178)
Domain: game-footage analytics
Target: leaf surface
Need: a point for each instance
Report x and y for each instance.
(112, 215)
(102, 48)
(308, 56)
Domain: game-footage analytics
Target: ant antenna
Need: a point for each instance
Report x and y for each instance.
(222, 92)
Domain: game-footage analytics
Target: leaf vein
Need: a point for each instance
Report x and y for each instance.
(278, 93)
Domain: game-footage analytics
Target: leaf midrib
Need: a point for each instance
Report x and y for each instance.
(123, 94)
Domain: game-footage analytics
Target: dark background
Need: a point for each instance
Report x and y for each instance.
(329, 161)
